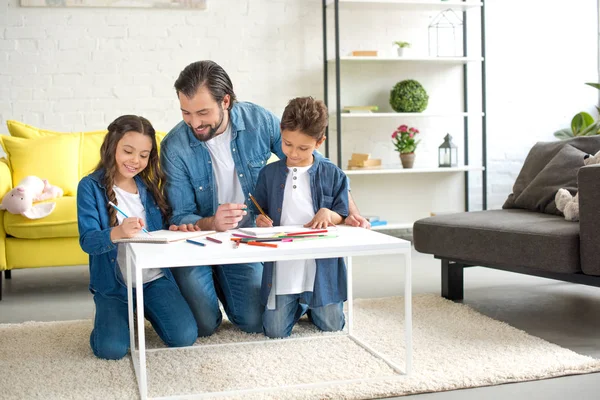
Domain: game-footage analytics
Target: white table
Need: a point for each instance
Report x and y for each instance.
(350, 242)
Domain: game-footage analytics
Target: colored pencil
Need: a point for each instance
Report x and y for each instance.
(259, 207)
(307, 232)
(125, 215)
(213, 240)
(194, 242)
(261, 244)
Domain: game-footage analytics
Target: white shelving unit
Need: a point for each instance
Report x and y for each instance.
(401, 196)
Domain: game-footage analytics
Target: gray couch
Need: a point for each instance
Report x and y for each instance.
(528, 235)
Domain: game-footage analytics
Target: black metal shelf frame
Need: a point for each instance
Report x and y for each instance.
(338, 113)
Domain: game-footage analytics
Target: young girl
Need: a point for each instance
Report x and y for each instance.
(303, 189)
(128, 175)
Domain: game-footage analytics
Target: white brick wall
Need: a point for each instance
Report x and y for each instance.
(78, 69)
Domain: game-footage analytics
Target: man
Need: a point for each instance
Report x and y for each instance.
(212, 159)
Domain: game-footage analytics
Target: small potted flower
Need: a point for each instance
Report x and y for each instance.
(404, 142)
(402, 48)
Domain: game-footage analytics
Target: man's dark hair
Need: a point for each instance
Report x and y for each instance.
(307, 115)
(205, 73)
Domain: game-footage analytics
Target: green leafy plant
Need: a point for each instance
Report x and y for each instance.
(403, 139)
(402, 44)
(582, 124)
(408, 96)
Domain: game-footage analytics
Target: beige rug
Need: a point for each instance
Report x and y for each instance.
(454, 347)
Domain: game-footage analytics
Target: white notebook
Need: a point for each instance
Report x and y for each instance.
(276, 230)
(163, 236)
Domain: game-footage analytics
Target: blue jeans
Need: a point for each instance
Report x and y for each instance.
(164, 307)
(236, 285)
(279, 322)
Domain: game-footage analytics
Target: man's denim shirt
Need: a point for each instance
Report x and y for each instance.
(94, 234)
(191, 186)
(329, 189)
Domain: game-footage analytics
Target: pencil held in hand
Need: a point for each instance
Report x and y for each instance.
(259, 207)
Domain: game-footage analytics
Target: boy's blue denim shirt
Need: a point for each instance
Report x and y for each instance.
(191, 187)
(329, 189)
(94, 234)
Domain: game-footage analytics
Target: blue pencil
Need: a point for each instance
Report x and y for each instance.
(194, 242)
(125, 215)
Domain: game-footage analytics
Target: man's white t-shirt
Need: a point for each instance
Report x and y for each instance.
(131, 204)
(229, 188)
(295, 276)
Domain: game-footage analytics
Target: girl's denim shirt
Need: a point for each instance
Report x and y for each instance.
(94, 234)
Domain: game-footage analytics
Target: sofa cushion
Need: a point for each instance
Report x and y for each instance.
(502, 238)
(55, 158)
(548, 167)
(61, 223)
(89, 155)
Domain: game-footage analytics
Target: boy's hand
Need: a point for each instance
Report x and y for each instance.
(321, 220)
(263, 222)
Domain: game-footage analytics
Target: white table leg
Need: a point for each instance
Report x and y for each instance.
(140, 367)
(408, 310)
(350, 294)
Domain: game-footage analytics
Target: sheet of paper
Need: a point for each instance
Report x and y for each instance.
(163, 236)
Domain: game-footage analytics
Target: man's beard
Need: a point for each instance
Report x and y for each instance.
(212, 132)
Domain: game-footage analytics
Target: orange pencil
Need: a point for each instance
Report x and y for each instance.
(258, 207)
(263, 244)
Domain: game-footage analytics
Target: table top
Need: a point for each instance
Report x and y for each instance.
(350, 242)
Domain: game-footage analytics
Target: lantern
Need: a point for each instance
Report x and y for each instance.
(448, 153)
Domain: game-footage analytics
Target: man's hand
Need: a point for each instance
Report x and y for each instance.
(321, 220)
(263, 222)
(228, 216)
(184, 228)
(357, 220)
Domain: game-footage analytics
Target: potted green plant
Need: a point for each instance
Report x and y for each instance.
(405, 143)
(408, 96)
(402, 48)
(582, 124)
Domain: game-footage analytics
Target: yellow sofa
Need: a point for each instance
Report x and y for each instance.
(63, 159)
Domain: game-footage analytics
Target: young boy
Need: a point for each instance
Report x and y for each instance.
(306, 189)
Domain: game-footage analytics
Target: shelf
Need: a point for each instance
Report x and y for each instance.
(389, 227)
(409, 5)
(406, 115)
(398, 170)
(440, 60)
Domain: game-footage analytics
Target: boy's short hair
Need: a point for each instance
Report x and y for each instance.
(307, 115)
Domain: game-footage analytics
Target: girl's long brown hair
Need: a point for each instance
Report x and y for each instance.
(152, 175)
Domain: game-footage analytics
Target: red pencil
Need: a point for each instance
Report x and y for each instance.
(213, 240)
(306, 232)
(261, 244)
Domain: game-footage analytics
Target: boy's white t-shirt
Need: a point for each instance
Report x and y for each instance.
(229, 188)
(295, 276)
(131, 204)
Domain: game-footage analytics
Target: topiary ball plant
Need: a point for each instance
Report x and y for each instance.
(408, 96)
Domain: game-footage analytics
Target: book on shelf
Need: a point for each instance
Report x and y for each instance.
(360, 109)
(364, 53)
(163, 236)
(363, 161)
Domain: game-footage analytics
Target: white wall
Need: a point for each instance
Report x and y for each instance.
(73, 69)
(79, 68)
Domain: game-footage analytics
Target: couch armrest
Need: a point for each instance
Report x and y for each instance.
(5, 187)
(5, 177)
(588, 185)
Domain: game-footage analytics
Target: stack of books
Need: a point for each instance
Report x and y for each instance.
(363, 161)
